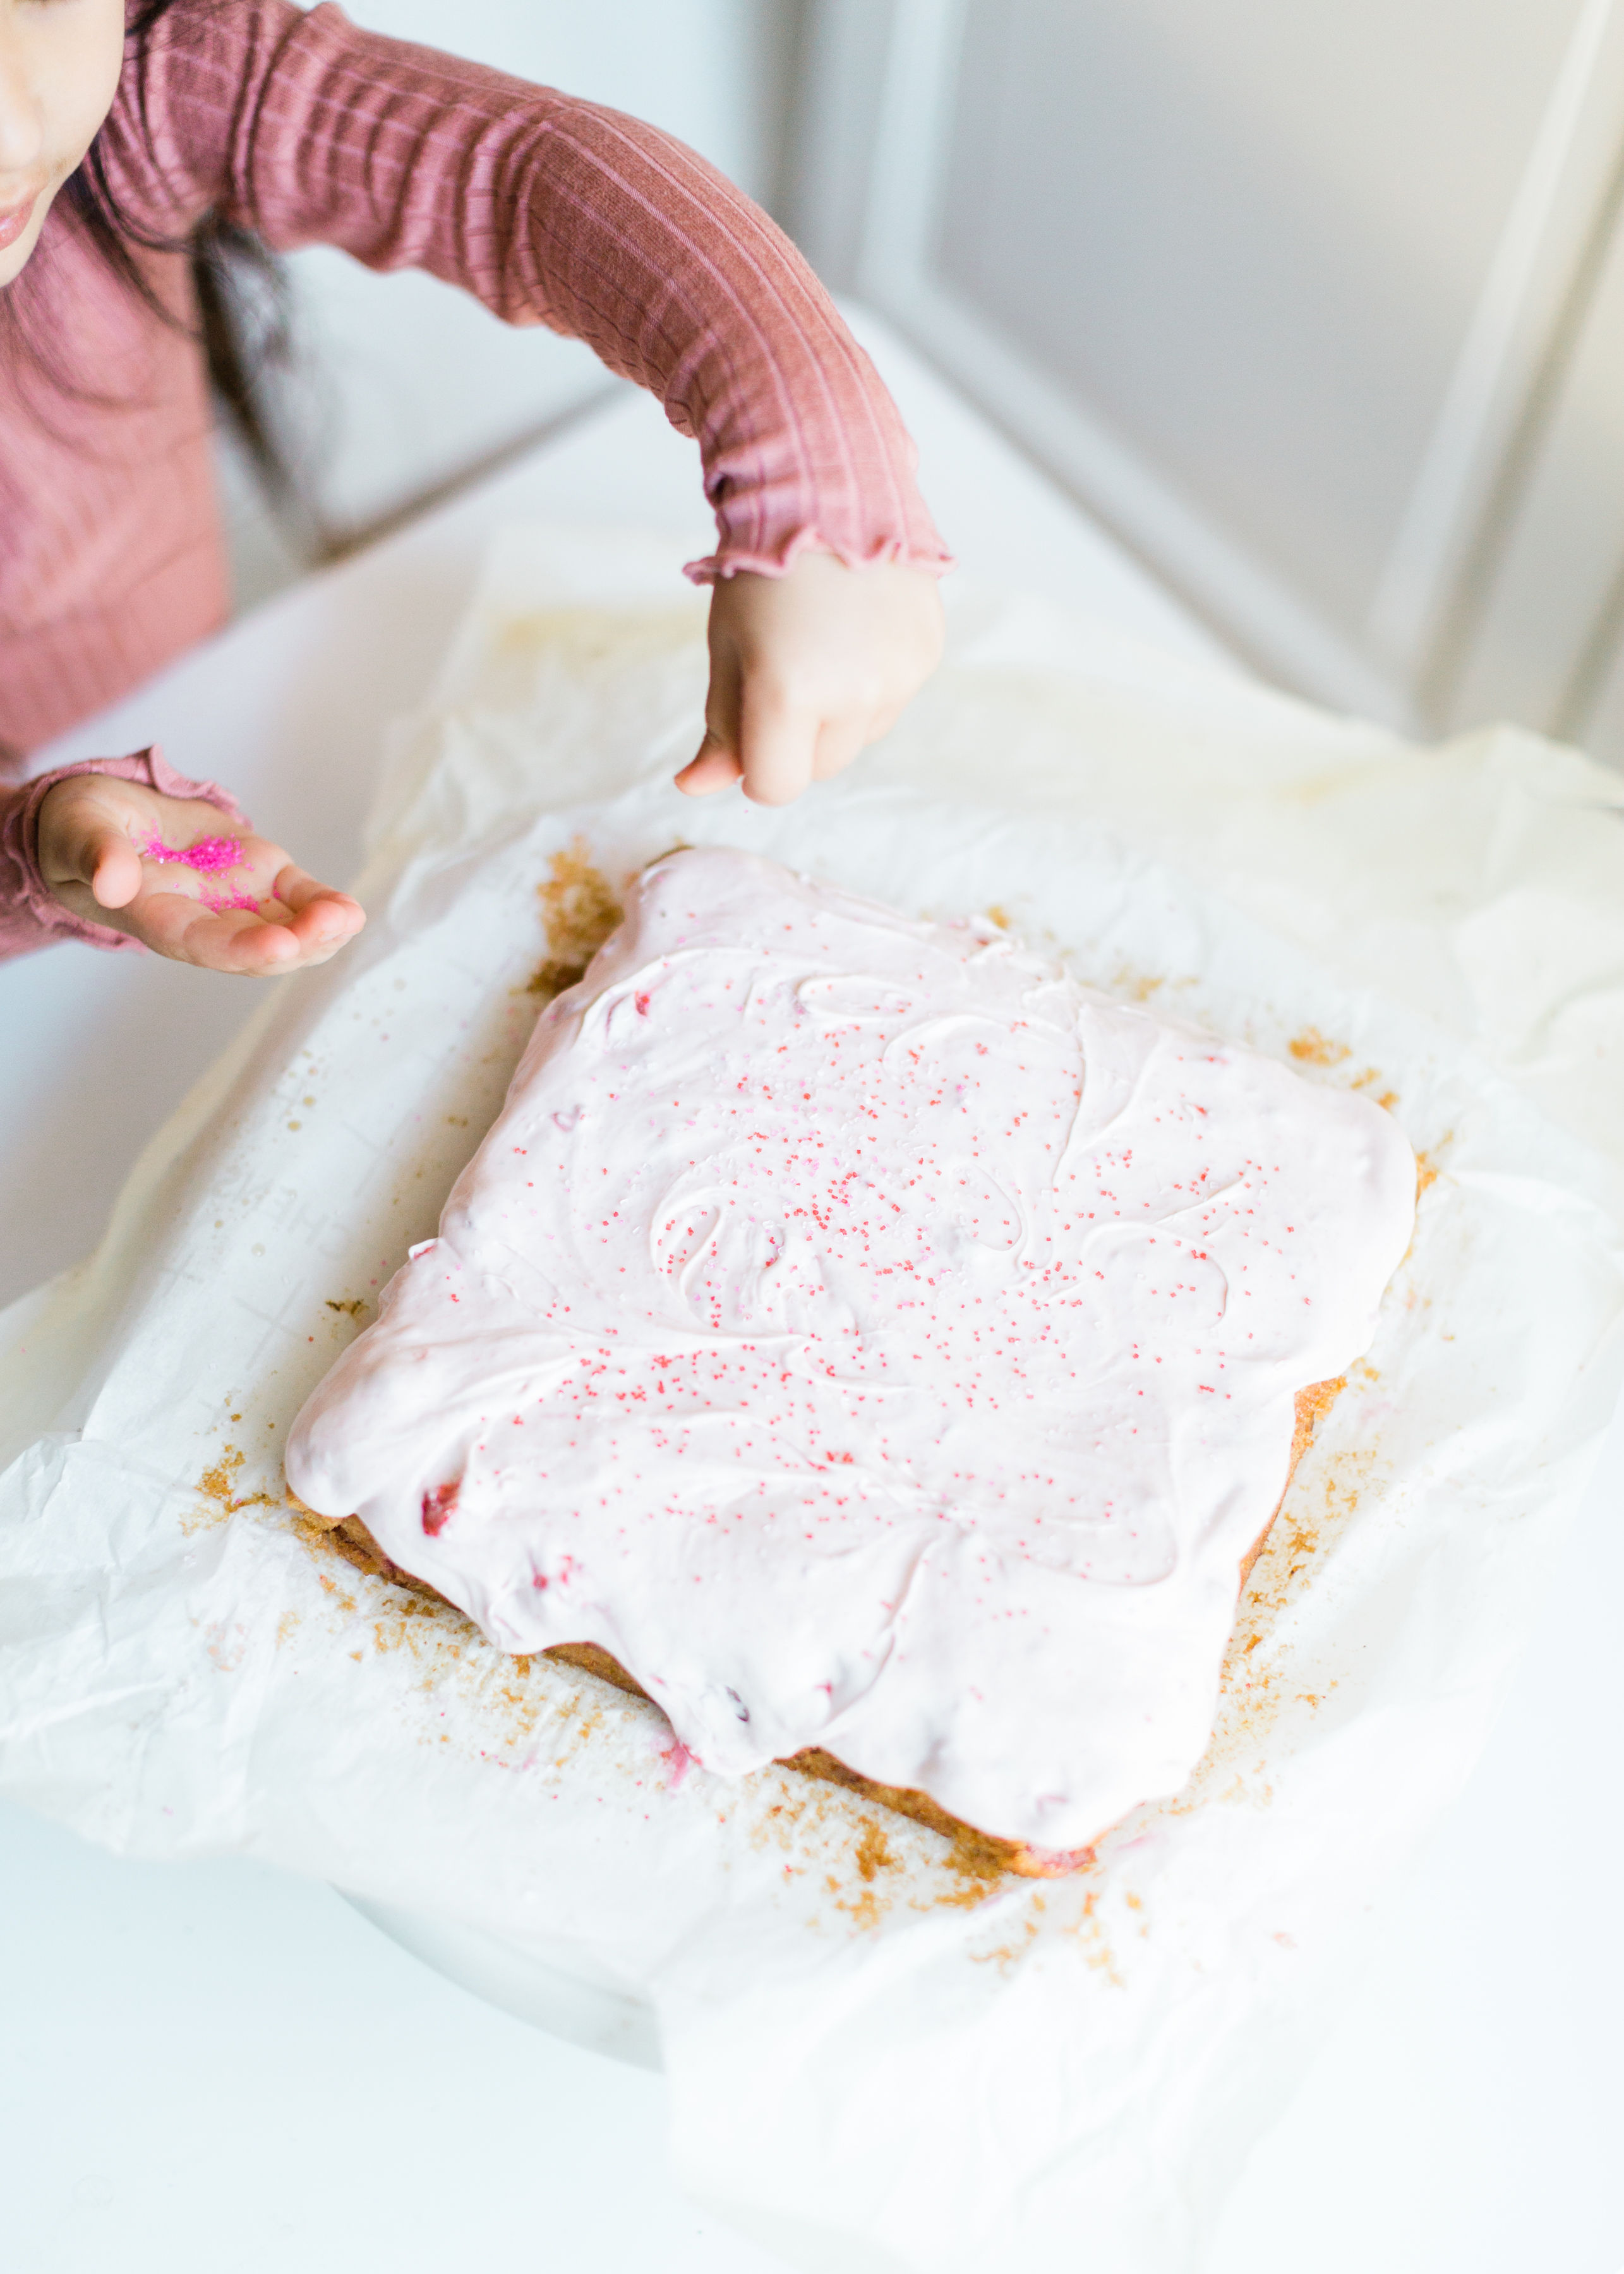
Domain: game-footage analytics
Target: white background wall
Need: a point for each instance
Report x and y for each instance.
(1267, 227)
(1316, 302)
(408, 383)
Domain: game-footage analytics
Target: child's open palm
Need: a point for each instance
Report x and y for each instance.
(177, 874)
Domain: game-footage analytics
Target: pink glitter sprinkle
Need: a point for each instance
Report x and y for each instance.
(210, 856)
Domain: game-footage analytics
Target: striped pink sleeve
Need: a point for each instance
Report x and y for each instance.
(558, 212)
(31, 915)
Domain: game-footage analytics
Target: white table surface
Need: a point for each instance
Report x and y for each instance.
(220, 2066)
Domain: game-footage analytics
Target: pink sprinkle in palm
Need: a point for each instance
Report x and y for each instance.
(210, 856)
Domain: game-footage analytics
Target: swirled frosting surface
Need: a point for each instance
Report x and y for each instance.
(877, 1341)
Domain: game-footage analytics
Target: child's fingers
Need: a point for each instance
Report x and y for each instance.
(714, 767)
(246, 943)
(320, 919)
(112, 869)
(715, 764)
(83, 844)
(842, 740)
(235, 940)
(838, 742)
(777, 741)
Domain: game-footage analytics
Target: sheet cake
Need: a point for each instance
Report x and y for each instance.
(876, 1342)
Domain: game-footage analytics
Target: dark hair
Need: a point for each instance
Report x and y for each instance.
(239, 286)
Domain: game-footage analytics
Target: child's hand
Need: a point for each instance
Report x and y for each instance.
(177, 874)
(808, 668)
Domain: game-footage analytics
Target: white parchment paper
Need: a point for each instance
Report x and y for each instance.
(878, 2060)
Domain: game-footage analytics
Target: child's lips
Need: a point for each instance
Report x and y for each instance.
(15, 219)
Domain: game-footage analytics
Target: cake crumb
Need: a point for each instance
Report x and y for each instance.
(220, 1498)
(218, 1483)
(867, 1911)
(578, 911)
(1312, 1048)
(874, 1853)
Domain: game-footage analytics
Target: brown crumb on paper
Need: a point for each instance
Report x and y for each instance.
(578, 911)
(220, 1498)
(1093, 1942)
(1427, 1171)
(866, 1908)
(220, 1482)
(874, 1853)
(1312, 1048)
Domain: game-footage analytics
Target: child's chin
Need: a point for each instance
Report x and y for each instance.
(15, 251)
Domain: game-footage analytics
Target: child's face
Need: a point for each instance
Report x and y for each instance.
(59, 64)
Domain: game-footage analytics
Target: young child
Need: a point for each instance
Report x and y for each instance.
(117, 142)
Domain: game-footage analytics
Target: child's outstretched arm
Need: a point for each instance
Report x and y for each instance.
(559, 212)
(127, 852)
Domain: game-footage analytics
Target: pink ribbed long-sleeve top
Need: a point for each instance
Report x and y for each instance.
(553, 210)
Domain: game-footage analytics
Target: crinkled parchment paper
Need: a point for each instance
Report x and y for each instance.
(879, 2059)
